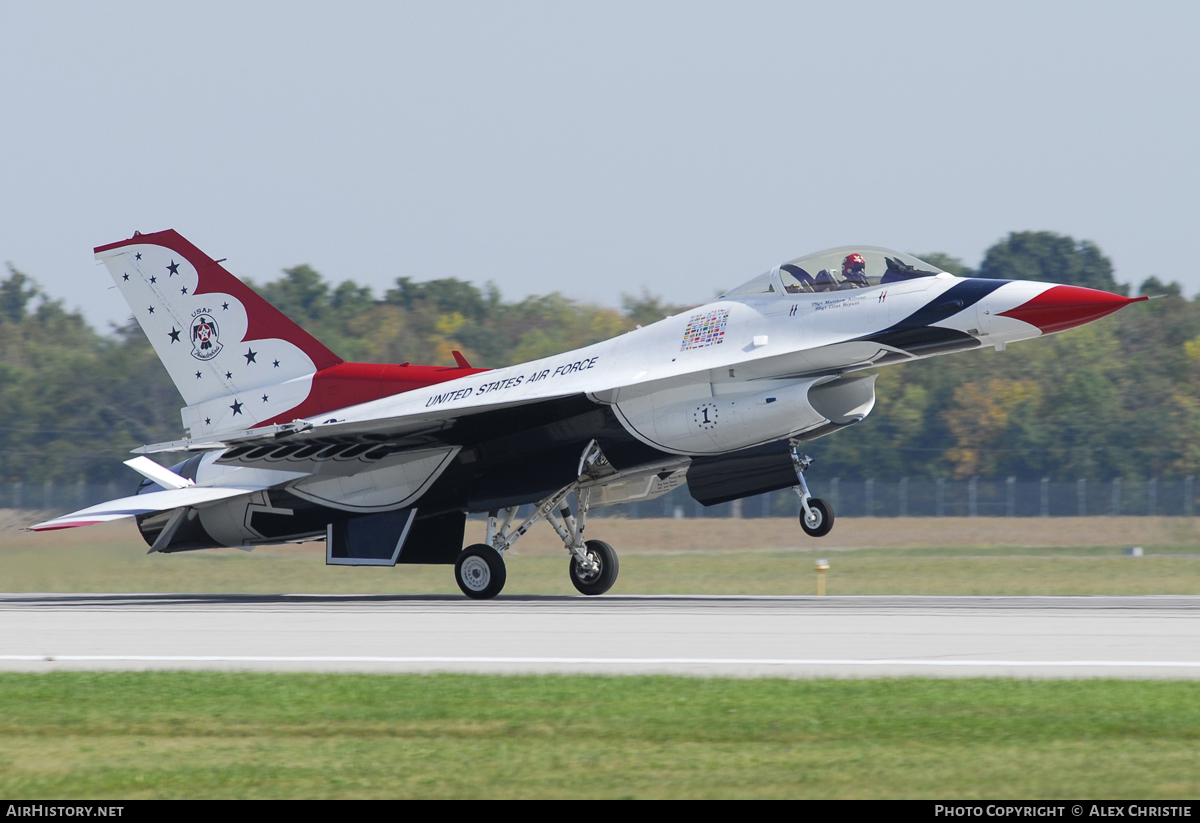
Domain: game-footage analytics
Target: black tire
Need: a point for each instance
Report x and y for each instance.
(824, 517)
(601, 580)
(479, 572)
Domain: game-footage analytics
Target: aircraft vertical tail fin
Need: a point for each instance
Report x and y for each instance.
(236, 359)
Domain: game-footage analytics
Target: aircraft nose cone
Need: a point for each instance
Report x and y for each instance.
(1065, 307)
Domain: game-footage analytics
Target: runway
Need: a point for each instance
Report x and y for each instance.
(1126, 637)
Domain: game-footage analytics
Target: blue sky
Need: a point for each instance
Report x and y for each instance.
(592, 149)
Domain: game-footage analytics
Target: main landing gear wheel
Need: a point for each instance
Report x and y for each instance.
(821, 521)
(480, 572)
(600, 579)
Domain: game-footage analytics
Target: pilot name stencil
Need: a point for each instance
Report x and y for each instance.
(837, 303)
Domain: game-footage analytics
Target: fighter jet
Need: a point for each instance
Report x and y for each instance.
(286, 442)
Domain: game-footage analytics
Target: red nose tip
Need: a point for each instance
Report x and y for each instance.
(1065, 307)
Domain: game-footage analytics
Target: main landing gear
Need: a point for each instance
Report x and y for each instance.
(480, 572)
(598, 574)
(480, 568)
(816, 515)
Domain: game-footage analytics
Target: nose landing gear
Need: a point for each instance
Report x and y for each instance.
(816, 515)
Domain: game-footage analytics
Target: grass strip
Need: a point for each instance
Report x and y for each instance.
(247, 735)
(935, 571)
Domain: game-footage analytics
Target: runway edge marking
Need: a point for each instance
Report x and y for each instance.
(133, 658)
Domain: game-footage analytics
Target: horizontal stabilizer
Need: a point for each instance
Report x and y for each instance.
(162, 476)
(141, 504)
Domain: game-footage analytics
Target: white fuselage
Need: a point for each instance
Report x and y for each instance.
(744, 381)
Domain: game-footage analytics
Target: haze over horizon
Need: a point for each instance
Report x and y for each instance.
(591, 150)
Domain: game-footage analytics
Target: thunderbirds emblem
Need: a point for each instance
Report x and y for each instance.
(205, 345)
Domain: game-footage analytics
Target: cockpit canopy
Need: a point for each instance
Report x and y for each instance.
(840, 269)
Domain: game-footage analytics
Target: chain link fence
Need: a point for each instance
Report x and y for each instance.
(975, 497)
(61, 497)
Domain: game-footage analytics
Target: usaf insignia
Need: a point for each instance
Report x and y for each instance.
(204, 337)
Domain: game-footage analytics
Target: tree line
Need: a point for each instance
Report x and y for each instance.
(1117, 398)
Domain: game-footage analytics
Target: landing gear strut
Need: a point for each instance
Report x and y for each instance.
(480, 568)
(816, 515)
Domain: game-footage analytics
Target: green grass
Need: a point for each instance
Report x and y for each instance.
(183, 735)
(946, 571)
(1058, 572)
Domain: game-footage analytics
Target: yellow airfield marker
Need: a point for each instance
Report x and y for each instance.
(822, 567)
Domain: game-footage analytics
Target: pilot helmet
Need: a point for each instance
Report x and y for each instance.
(853, 264)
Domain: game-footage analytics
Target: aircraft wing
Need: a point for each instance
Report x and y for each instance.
(141, 504)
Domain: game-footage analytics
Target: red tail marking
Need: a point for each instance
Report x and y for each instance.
(264, 321)
(348, 384)
(337, 384)
(1065, 307)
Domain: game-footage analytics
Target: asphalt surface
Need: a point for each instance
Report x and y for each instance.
(1126, 637)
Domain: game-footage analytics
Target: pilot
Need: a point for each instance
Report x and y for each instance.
(854, 271)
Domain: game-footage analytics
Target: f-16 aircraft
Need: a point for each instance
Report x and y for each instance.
(286, 442)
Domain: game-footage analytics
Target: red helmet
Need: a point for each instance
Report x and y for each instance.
(853, 263)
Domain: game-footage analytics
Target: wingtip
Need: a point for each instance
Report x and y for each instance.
(60, 523)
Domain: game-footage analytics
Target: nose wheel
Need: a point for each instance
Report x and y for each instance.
(818, 520)
(816, 515)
